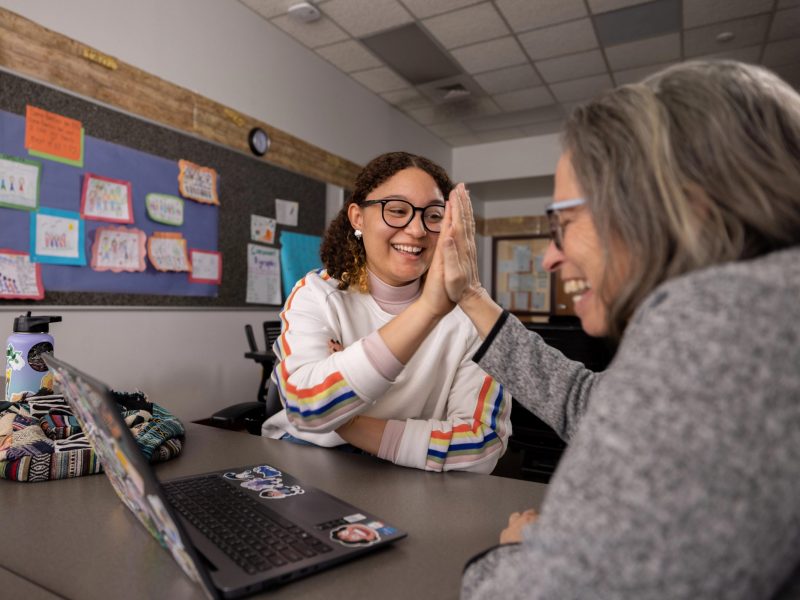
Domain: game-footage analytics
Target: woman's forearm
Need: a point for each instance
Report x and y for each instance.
(482, 311)
(363, 432)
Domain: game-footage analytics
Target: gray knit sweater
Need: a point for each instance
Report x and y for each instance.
(682, 475)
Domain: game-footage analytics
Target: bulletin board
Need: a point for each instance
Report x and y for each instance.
(124, 148)
(521, 285)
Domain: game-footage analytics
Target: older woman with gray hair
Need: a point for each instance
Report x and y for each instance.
(676, 226)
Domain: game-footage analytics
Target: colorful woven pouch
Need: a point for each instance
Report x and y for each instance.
(41, 439)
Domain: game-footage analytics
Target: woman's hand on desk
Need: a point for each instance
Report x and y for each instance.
(516, 523)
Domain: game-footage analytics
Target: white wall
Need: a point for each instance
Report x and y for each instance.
(223, 50)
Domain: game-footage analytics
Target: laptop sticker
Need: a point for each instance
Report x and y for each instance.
(355, 534)
(267, 481)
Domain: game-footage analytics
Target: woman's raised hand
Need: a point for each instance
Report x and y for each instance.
(458, 245)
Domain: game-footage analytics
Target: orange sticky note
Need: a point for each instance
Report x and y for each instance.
(53, 134)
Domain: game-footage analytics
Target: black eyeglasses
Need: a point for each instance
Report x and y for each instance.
(399, 213)
(556, 229)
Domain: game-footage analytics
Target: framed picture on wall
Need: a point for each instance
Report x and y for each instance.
(520, 283)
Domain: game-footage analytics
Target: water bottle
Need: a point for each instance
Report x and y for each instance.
(26, 372)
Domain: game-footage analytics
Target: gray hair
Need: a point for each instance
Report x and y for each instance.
(696, 165)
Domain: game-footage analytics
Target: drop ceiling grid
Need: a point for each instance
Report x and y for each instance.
(535, 61)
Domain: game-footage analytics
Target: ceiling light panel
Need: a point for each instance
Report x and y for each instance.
(412, 54)
(664, 48)
(638, 22)
(601, 6)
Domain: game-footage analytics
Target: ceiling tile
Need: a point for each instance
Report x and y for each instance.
(559, 39)
(467, 26)
(319, 33)
(457, 110)
(269, 8)
(523, 15)
(499, 135)
(788, 3)
(703, 12)
(405, 99)
(636, 75)
(645, 52)
(509, 79)
(427, 115)
(380, 80)
(462, 140)
(786, 24)
(572, 66)
(581, 89)
(543, 128)
(524, 99)
(746, 32)
(751, 54)
(365, 17)
(487, 56)
(782, 53)
(425, 8)
(638, 22)
(517, 118)
(601, 6)
(449, 129)
(349, 56)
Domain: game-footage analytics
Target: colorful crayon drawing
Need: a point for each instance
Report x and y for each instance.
(118, 249)
(19, 277)
(105, 199)
(19, 182)
(57, 237)
(165, 209)
(167, 251)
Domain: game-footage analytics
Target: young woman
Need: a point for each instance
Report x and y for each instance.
(676, 227)
(365, 358)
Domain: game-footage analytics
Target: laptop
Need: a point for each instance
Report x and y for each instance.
(233, 532)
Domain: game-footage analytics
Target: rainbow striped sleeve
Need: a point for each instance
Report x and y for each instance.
(465, 444)
(310, 408)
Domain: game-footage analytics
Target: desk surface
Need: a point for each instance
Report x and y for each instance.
(75, 539)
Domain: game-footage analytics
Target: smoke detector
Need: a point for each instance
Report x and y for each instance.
(304, 12)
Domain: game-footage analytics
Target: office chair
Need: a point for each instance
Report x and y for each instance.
(251, 415)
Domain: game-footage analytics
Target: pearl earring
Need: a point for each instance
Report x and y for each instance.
(358, 234)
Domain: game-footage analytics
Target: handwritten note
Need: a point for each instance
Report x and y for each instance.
(286, 212)
(263, 275)
(53, 135)
(163, 208)
(197, 183)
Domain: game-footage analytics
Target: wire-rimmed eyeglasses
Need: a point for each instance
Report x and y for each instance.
(399, 213)
(556, 229)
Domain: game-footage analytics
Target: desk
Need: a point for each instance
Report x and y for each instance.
(75, 539)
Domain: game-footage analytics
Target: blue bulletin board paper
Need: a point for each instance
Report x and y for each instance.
(299, 255)
(60, 188)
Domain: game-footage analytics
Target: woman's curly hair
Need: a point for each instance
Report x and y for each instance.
(341, 252)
